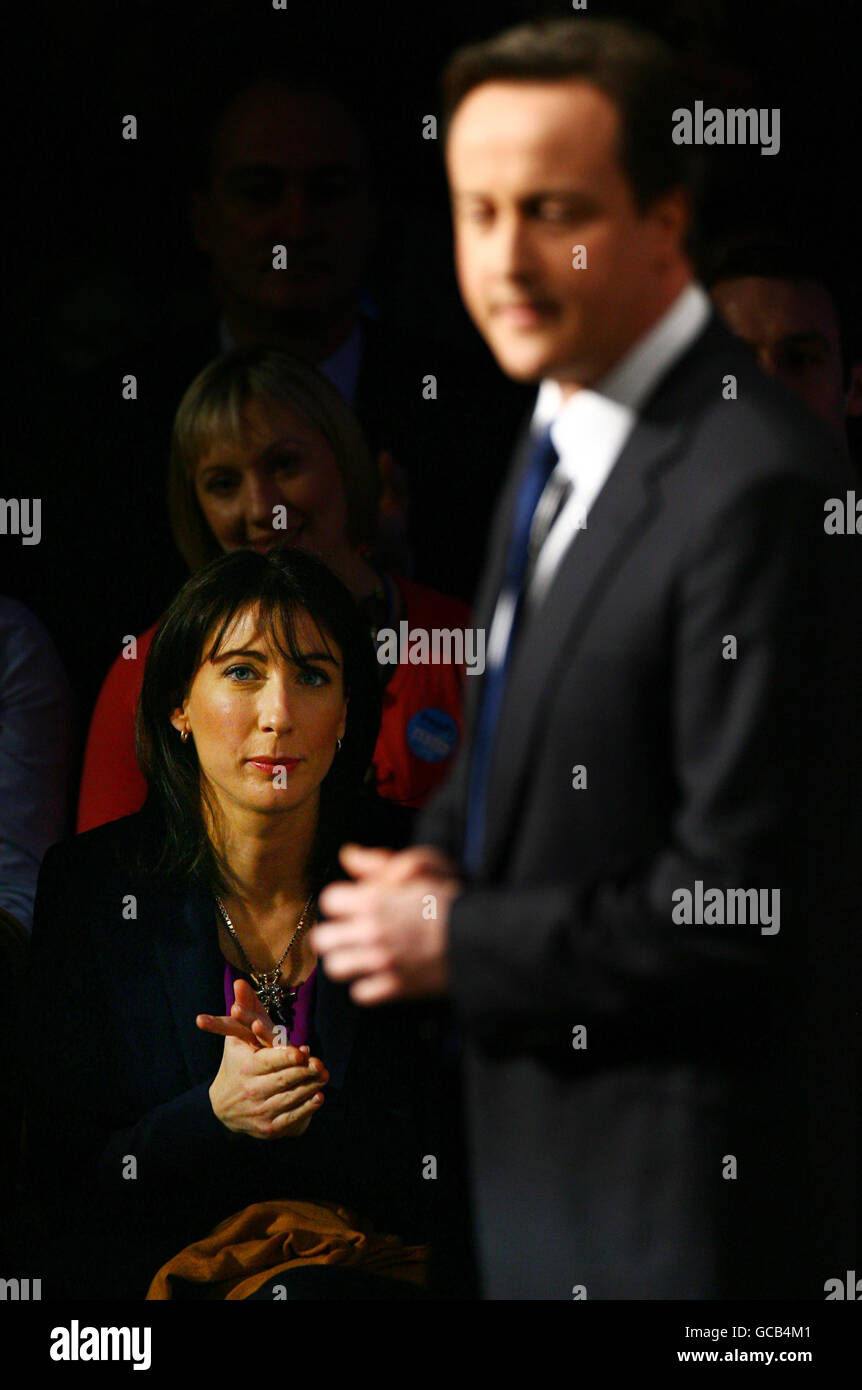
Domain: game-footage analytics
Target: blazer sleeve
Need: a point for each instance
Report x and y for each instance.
(76, 1131)
(745, 736)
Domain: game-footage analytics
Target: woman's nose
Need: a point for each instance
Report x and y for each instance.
(276, 708)
(260, 498)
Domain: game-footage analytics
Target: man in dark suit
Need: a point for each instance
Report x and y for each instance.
(636, 885)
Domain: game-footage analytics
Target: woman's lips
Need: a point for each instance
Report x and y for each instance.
(271, 765)
(265, 543)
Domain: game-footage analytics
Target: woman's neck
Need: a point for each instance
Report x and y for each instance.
(268, 857)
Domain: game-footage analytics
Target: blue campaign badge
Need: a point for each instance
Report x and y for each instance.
(432, 735)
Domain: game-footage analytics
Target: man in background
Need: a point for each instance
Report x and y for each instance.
(781, 302)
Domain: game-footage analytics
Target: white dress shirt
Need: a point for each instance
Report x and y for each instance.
(590, 429)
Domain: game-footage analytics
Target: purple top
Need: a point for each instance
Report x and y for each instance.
(300, 1031)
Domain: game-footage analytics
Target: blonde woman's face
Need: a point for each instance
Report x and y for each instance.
(279, 484)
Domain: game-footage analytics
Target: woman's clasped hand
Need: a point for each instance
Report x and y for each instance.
(262, 1088)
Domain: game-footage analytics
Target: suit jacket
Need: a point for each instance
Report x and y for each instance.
(695, 1141)
(118, 1080)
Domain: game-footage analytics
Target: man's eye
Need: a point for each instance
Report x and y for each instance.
(329, 190)
(555, 211)
(259, 194)
(800, 358)
(562, 210)
(471, 211)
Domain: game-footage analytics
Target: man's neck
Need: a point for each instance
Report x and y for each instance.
(312, 339)
(640, 325)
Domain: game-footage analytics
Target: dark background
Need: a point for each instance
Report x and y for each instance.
(100, 262)
(91, 207)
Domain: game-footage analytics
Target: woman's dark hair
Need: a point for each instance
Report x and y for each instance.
(277, 584)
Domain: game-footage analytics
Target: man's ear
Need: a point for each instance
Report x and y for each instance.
(672, 213)
(853, 397)
(199, 220)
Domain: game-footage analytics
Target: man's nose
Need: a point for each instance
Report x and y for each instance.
(766, 359)
(294, 218)
(511, 247)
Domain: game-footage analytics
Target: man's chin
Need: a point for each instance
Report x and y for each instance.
(526, 366)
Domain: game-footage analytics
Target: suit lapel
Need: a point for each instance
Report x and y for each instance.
(335, 1019)
(549, 635)
(192, 969)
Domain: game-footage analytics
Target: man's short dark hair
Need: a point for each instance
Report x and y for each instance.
(634, 69)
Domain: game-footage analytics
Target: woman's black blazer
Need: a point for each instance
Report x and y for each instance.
(123, 1150)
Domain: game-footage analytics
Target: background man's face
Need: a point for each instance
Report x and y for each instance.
(534, 170)
(287, 168)
(793, 328)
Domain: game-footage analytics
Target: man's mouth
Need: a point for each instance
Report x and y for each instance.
(523, 313)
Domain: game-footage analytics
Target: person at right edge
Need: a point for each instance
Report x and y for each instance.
(645, 858)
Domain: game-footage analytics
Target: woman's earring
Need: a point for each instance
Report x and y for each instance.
(184, 735)
(338, 743)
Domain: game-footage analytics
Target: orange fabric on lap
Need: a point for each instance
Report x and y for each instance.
(262, 1240)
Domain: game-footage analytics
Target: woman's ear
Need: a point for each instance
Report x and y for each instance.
(343, 724)
(179, 718)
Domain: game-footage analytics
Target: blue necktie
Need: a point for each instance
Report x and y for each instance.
(540, 464)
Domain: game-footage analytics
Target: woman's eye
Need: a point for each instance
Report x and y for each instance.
(220, 487)
(312, 676)
(285, 463)
(234, 673)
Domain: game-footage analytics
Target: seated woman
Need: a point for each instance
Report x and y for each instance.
(265, 452)
(168, 945)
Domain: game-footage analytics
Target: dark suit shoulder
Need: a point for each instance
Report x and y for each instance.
(741, 430)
